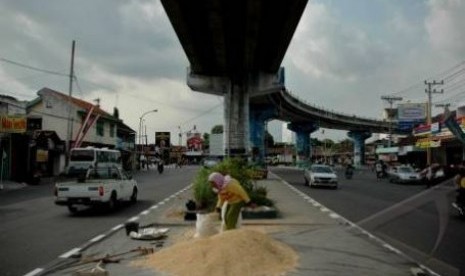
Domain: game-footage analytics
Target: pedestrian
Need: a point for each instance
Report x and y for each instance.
(231, 198)
(379, 170)
(459, 181)
(429, 176)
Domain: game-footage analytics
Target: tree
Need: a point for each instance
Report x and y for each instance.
(217, 129)
(206, 140)
(345, 145)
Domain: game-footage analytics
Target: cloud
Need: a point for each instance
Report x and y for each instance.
(327, 48)
(445, 25)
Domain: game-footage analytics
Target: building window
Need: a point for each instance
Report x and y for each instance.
(112, 130)
(100, 128)
(34, 124)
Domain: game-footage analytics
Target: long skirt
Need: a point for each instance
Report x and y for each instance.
(231, 215)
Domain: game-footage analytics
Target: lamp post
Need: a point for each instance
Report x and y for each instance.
(140, 123)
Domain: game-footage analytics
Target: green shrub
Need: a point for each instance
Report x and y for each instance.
(237, 168)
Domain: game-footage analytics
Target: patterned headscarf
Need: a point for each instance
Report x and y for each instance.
(219, 180)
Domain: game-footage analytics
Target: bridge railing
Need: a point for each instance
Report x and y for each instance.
(329, 112)
(372, 123)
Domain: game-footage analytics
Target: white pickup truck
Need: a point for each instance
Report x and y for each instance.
(99, 186)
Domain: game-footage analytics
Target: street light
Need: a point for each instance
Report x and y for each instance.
(140, 123)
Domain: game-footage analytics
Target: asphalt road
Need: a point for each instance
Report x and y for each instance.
(416, 220)
(34, 231)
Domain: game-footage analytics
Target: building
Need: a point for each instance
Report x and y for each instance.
(13, 138)
(48, 119)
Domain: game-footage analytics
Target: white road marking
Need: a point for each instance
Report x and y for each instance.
(70, 253)
(133, 219)
(117, 227)
(96, 239)
(34, 272)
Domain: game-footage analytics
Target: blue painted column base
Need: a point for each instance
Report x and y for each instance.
(303, 131)
(258, 117)
(359, 138)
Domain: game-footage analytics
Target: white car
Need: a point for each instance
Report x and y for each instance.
(210, 162)
(404, 174)
(320, 175)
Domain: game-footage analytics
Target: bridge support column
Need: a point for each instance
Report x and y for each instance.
(259, 116)
(236, 115)
(359, 138)
(303, 131)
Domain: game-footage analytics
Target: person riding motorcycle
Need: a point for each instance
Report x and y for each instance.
(349, 171)
(460, 182)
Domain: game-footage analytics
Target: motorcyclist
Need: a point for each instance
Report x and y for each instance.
(379, 168)
(460, 182)
(349, 170)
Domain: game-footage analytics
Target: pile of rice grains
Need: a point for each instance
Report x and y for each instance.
(231, 253)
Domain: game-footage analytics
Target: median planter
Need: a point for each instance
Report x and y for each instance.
(260, 212)
(259, 174)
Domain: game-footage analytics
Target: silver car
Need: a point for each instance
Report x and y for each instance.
(320, 175)
(404, 174)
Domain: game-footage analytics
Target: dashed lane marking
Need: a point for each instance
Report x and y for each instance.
(96, 239)
(133, 219)
(117, 227)
(34, 272)
(70, 253)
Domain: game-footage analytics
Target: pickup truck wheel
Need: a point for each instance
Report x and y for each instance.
(72, 209)
(134, 196)
(112, 202)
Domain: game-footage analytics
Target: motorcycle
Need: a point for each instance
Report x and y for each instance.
(349, 172)
(460, 208)
(160, 166)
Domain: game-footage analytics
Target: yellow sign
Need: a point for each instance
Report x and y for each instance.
(13, 124)
(426, 143)
(42, 155)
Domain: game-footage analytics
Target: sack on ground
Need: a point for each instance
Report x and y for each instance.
(206, 225)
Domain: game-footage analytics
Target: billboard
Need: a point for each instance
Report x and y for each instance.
(411, 111)
(163, 139)
(13, 124)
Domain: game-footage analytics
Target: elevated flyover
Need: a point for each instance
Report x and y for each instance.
(235, 49)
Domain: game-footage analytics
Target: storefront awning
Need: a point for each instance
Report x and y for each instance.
(387, 150)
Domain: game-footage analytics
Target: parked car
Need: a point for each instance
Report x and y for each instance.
(210, 162)
(99, 186)
(321, 175)
(404, 174)
(438, 173)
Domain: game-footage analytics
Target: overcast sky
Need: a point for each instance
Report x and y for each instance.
(344, 56)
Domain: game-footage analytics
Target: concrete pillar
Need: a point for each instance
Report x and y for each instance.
(236, 115)
(359, 138)
(303, 131)
(259, 116)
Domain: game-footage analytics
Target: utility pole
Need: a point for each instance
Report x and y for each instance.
(430, 91)
(391, 101)
(70, 117)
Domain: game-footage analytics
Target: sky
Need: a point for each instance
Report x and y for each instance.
(344, 56)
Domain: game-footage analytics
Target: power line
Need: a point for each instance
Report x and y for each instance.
(443, 73)
(33, 68)
(200, 115)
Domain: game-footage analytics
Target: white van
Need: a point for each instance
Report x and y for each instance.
(81, 159)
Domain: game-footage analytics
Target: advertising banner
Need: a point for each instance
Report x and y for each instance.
(13, 124)
(163, 139)
(411, 111)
